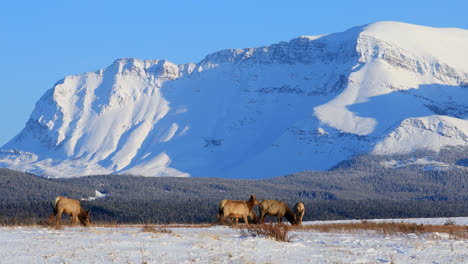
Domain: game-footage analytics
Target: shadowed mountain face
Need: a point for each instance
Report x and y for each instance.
(428, 99)
(259, 112)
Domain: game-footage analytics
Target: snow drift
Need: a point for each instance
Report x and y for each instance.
(305, 104)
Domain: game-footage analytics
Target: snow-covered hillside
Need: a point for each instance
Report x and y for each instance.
(306, 104)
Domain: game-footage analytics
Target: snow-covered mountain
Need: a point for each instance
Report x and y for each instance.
(306, 104)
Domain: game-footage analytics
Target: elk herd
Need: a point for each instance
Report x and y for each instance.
(237, 209)
(228, 209)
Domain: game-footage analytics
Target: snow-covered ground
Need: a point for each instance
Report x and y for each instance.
(221, 244)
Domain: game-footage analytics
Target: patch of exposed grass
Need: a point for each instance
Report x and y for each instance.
(106, 224)
(156, 229)
(391, 228)
(21, 221)
(274, 231)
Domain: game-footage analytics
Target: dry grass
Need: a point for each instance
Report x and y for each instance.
(7, 222)
(274, 231)
(389, 228)
(65, 222)
(153, 229)
(279, 233)
(155, 225)
(54, 227)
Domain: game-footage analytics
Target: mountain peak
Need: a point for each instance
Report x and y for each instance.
(305, 104)
(443, 44)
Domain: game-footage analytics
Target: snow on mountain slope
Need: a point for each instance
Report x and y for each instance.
(257, 112)
(431, 132)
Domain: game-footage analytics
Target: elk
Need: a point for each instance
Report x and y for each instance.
(276, 208)
(299, 209)
(237, 209)
(70, 207)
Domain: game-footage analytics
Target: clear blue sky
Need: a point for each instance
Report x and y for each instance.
(43, 41)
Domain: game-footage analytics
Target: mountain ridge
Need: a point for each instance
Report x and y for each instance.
(305, 104)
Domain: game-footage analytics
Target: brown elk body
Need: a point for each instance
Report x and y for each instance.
(70, 207)
(237, 209)
(276, 208)
(299, 210)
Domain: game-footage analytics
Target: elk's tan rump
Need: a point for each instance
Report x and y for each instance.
(299, 210)
(237, 209)
(276, 208)
(72, 207)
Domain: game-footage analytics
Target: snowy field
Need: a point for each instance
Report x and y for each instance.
(221, 244)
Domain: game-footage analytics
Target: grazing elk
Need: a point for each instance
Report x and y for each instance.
(70, 207)
(237, 209)
(276, 208)
(299, 210)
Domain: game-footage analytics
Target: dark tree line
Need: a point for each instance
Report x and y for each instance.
(360, 188)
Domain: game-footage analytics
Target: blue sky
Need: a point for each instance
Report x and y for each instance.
(44, 41)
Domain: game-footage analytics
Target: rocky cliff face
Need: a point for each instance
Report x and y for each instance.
(259, 112)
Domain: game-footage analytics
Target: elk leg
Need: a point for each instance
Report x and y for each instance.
(262, 217)
(51, 218)
(246, 220)
(73, 220)
(279, 220)
(58, 216)
(222, 219)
